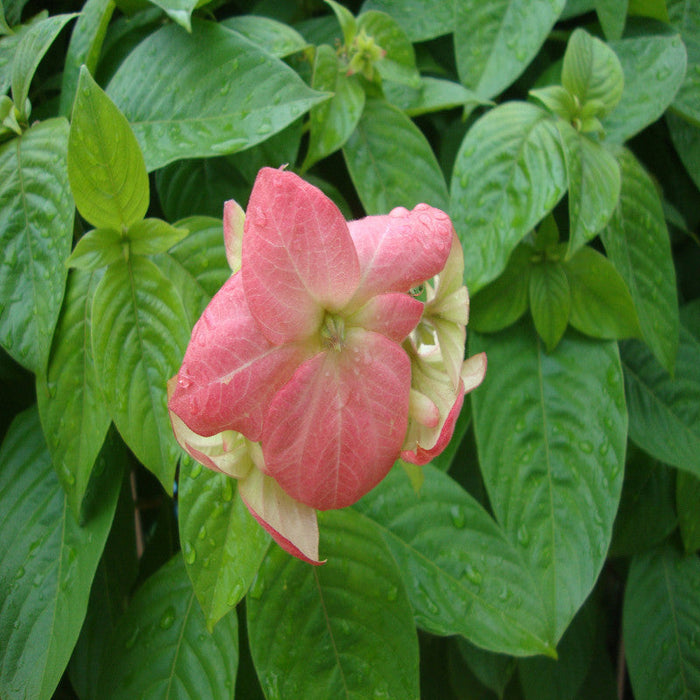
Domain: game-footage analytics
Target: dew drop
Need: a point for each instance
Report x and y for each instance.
(234, 595)
(585, 447)
(523, 535)
(473, 575)
(189, 553)
(196, 470)
(227, 491)
(132, 638)
(202, 532)
(458, 518)
(19, 573)
(167, 618)
(392, 594)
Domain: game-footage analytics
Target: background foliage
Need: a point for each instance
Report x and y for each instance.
(552, 550)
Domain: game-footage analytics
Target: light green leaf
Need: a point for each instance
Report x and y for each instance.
(420, 19)
(180, 11)
(654, 66)
(383, 155)
(594, 186)
(222, 103)
(35, 42)
(36, 226)
(74, 418)
(601, 305)
(332, 122)
(84, 48)
(346, 20)
(688, 507)
(550, 301)
(105, 164)
(465, 576)
(47, 562)
(509, 173)
(222, 543)
(612, 15)
(338, 630)
(684, 15)
(637, 242)
(97, 248)
(165, 625)
(276, 38)
(592, 71)
(661, 618)
(502, 302)
(433, 95)
(152, 236)
(554, 476)
(140, 331)
(664, 417)
(495, 41)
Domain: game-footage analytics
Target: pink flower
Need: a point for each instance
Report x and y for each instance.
(298, 377)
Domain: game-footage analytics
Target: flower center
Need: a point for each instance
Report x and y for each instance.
(333, 332)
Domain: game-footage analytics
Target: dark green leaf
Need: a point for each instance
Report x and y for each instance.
(495, 41)
(688, 507)
(509, 173)
(140, 330)
(36, 226)
(97, 248)
(550, 301)
(152, 236)
(276, 38)
(554, 475)
(384, 155)
(222, 543)
(223, 102)
(165, 626)
(344, 629)
(74, 418)
(686, 139)
(637, 242)
(661, 619)
(465, 577)
(47, 563)
(684, 15)
(493, 670)
(601, 305)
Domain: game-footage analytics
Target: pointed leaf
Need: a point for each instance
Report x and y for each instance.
(466, 577)
(47, 562)
(684, 15)
(509, 173)
(637, 241)
(222, 104)
(661, 618)
(420, 19)
(97, 248)
(550, 301)
(165, 624)
(36, 226)
(335, 630)
(180, 11)
(138, 339)
(433, 95)
(107, 173)
(384, 175)
(222, 544)
(495, 41)
(74, 418)
(152, 236)
(554, 478)
(611, 16)
(277, 38)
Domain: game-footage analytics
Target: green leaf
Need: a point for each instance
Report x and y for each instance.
(384, 175)
(494, 671)
(686, 139)
(502, 302)
(554, 476)
(688, 507)
(509, 173)
(97, 248)
(592, 71)
(222, 543)
(36, 226)
(594, 186)
(336, 630)
(684, 15)
(152, 236)
(165, 625)
(35, 42)
(277, 38)
(4, 26)
(601, 305)
(73, 416)
(180, 11)
(47, 563)
(495, 41)
(105, 164)
(222, 103)
(664, 419)
(332, 122)
(84, 48)
(140, 331)
(661, 618)
(550, 301)
(346, 20)
(465, 576)
(612, 15)
(433, 95)
(420, 19)
(654, 67)
(637, 242)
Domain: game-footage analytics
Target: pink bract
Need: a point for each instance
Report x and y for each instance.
(309, 350)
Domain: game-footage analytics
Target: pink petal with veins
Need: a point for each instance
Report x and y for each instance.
(394, 315)
(230, 371)
(336, 428)
(298, 257)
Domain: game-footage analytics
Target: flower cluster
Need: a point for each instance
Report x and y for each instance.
(334, 349)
